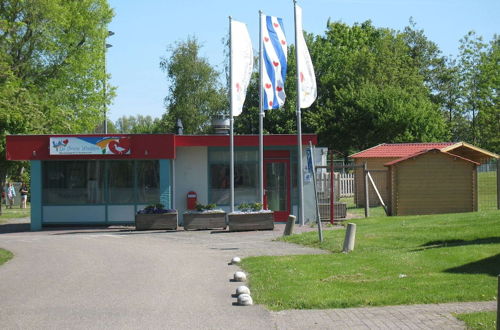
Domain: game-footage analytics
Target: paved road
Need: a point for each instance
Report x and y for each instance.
(122, 279)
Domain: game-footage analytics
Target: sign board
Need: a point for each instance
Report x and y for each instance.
(89, 145)
(309, 160)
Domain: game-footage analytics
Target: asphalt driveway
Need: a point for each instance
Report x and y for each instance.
(122, 279)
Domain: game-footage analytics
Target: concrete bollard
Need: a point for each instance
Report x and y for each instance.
(498, 301)
(290, 224)
(350, 237)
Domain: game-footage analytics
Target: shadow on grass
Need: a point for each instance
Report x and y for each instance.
(489, 266)
(458, 242)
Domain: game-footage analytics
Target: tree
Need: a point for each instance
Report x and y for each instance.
(195, 93)
(471, 51)
(137, 124)
(51, 68)
(370, 90)
(488, 118)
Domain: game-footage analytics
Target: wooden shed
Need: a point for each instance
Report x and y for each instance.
(430, 182)
(377, 156)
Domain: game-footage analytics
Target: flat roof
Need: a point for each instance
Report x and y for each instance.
(134, 146)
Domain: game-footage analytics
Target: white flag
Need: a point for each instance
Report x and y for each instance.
(241, 65)
(274, 66)
(308, 91)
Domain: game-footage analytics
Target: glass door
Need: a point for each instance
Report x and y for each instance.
(277, 187)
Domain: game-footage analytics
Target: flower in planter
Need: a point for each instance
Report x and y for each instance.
(209, 208)
(252, 208)
(156, 209)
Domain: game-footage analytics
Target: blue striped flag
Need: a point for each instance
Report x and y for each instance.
(274, 56)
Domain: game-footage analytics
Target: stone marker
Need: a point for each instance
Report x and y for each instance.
(235, 260)
(350, 237)
(290, 224)
(242, 290)
(245, 300)
(240, 277)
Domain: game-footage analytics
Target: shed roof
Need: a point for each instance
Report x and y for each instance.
(422, 152)
(390, 150)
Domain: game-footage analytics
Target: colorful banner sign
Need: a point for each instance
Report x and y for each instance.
(112, 145)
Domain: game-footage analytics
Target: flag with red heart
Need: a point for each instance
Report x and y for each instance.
(274, 55)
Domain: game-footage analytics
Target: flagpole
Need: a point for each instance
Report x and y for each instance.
(299, 125)
(261, 116)
(231, 120)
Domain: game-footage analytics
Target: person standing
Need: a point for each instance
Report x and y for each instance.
(24, 195)
(11, 193)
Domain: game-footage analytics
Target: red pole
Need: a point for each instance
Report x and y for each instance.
(332, 192)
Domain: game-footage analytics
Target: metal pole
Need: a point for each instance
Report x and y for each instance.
(332, 190)
(498, 189)
(299, 126)
(105, 128)
(231, 121)
(261, 115)
(367, 192)
(318, 216)
(498, 301)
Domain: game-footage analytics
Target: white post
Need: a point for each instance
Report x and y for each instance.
(350, 237)
(299, 127)
(261, 115)
(231, 120)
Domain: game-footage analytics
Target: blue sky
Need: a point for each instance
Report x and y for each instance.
(144, 30)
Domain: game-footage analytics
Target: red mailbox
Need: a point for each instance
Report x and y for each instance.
(191, 200)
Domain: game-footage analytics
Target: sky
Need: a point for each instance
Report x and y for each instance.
(145, 29)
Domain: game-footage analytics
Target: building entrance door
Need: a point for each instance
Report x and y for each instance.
(277, 184)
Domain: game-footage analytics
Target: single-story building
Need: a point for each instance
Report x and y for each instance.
(377, 157)
(104, 179)
(431, 182)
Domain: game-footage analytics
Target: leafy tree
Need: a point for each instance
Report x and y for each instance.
(195, 93)
(471, 51)
(488, 118)
(370, 90)
(51, 68)
(137, 124)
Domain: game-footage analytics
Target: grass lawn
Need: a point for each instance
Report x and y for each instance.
(14, 213)
(377, 211)
(5, 256)
(479, 321)
(487, 191)
(397, 260)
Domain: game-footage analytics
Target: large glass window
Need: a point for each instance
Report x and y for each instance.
(73, 182)
(98, 182)
(120, 181)
(148, 181)
(246, 175)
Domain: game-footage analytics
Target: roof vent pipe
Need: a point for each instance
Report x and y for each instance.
(179, 127)
(221, 126)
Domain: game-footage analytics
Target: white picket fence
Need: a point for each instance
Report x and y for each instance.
(344, 183)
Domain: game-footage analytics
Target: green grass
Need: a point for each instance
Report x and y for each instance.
(479, 321)
(487, 191)
(397, 260)
(360, 211)
(5, 256)
(14, 213)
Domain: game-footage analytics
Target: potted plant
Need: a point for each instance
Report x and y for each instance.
(250, 217)
(156, 217)
(204, 217)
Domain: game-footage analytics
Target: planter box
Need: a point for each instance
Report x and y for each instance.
(165, 221)
(250, 221)
(204, 220)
